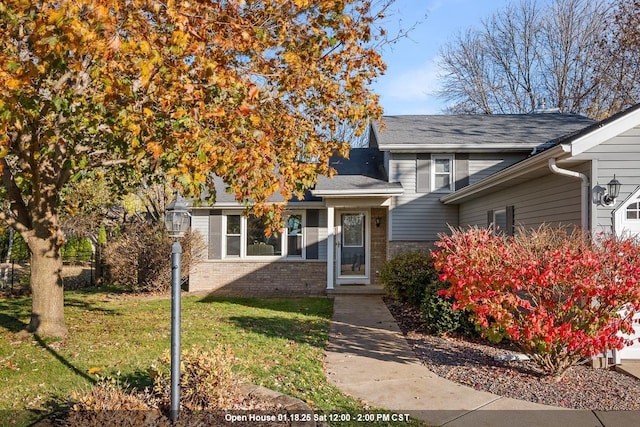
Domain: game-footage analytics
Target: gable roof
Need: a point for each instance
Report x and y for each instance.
(564, 147)
(469, 133)
(362, 174)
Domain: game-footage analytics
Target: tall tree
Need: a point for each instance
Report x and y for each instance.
(619, 67)
(526, 56)
(244, 89)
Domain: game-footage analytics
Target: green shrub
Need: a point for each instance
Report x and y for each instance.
(406, 276)
(439, 316)
(19, 250)
(77, 249)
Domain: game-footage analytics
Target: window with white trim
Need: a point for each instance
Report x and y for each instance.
(441, 173)
(500, 221)
(246, 237)
(233, 235)
(295, 235)
(633, 211)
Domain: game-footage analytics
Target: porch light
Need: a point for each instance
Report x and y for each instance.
(613, 191)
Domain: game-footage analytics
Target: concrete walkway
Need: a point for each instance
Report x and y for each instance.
(369, 358)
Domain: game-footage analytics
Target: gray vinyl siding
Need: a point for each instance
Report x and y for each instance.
(200, 225)
(482, 165)
(416, 216)
(619, 156)
(551, 199)
(322, 235)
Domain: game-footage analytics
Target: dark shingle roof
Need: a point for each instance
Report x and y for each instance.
(362, 171)
(476, 132)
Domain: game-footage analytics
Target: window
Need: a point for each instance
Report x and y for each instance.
(233, 235)
(633, 211)
(500, 221)
(247, 237)
(258, 243)
(294, 235)
(442, 173)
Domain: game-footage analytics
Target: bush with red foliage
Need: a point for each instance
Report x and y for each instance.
(557, 294)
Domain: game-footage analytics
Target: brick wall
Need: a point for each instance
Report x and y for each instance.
(379, 242)
(260, 278)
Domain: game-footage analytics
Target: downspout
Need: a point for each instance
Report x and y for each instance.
(584, 214)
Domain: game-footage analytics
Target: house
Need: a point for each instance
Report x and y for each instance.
(419, 176)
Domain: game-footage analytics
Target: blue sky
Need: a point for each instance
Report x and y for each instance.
(411, 79)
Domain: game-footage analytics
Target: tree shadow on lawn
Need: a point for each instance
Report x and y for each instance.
(302, 331)
(305, 306)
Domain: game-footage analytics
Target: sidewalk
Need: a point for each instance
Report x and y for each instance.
(368, 358)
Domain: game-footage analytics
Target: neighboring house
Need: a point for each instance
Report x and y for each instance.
(418, 177)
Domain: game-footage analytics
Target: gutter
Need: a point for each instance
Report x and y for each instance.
(584, 212)
(514, 171)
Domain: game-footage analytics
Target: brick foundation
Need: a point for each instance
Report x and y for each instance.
(260, 278)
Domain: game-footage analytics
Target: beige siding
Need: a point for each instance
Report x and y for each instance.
(619, 156)
(550, 199)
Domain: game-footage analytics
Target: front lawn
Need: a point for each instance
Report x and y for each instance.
(278, 343)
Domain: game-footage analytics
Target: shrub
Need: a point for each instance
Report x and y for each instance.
(207, 381)
(107, 403)
(439, 316)
(77, 249)
(139, 258)
(555, 294)
(406, 276)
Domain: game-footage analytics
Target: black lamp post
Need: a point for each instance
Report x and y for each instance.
(177, 220)
(613, 191)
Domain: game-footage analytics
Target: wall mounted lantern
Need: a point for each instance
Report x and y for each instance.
(613, 191)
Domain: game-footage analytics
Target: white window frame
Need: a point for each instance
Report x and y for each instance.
(495, 223)
(225, 215)
(243, 237)
(451, 173)
(636, 209)
(285, 235)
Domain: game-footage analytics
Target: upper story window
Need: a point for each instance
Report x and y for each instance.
(633, 211)
(442, 173)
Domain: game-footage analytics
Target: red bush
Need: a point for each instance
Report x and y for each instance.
(556, 294)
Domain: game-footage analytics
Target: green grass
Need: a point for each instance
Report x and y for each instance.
(278, 343)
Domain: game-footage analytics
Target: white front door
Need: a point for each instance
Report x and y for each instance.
(352, 247)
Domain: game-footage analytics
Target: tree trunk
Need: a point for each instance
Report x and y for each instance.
(47, 314)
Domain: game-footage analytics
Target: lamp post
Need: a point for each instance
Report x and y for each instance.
(177, 221)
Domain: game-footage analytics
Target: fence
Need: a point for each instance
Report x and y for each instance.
(78, 271)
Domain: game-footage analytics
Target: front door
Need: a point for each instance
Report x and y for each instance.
(353, 247)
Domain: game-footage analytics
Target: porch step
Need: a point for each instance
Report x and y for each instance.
(629, 367)
(356, 290)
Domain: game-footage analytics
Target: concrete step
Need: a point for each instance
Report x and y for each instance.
(356, 290)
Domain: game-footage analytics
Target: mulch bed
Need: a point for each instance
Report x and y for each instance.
(472, 363)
